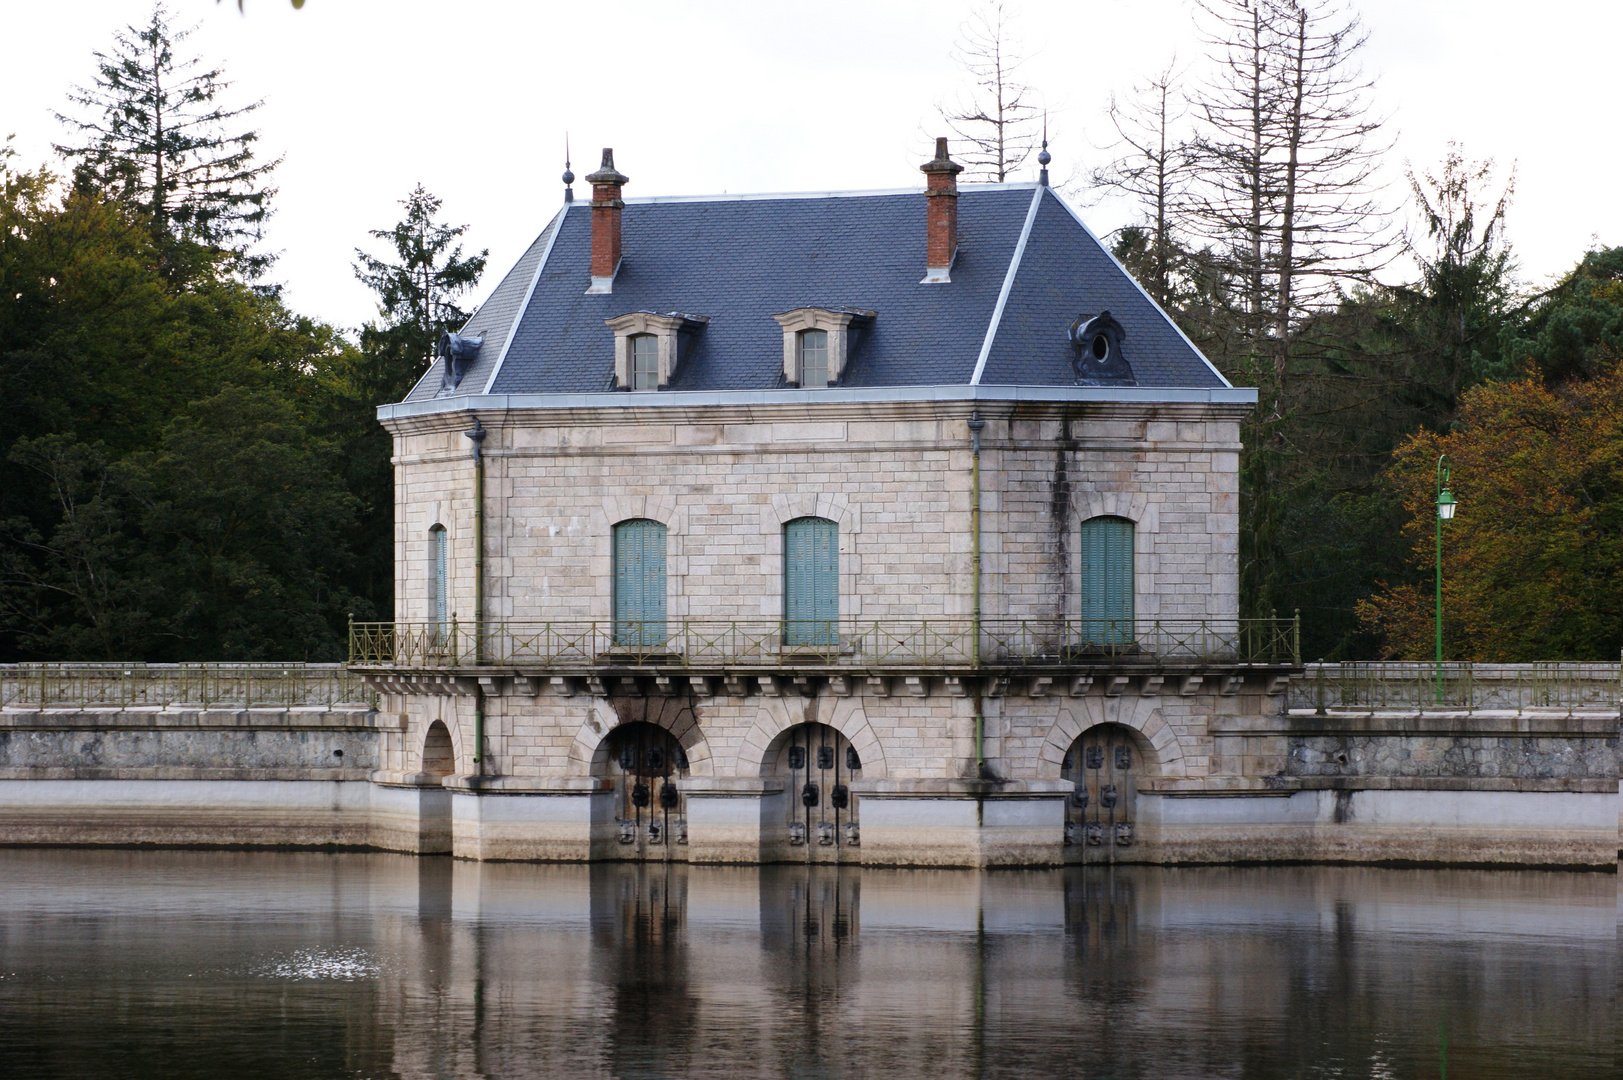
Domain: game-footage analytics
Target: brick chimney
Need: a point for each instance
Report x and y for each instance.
(940, 214)
(606, 206)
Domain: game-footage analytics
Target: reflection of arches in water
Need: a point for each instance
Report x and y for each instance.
(647, 764)
(815, 818)
(639, 946)
(439, 756)
(1103, 765)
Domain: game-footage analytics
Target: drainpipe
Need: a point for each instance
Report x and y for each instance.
(976, 426)
(477, 434)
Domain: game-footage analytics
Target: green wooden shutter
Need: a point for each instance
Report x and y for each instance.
(639, 584)
(811, 581)
(1107, 581)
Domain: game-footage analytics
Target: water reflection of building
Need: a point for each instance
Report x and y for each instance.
(636, 970)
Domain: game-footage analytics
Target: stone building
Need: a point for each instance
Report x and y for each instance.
(890, 527)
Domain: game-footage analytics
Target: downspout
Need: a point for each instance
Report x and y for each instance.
(477, 435)
(976, 426)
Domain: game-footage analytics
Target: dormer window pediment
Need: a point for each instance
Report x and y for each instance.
(817, 343)
(650, 347)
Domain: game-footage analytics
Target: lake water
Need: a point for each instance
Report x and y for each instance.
(227, 964)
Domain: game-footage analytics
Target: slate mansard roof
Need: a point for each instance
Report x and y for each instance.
(1026, 268)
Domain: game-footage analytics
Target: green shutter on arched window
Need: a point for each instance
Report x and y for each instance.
(639, 584)
(1107, 581)
(811, 582)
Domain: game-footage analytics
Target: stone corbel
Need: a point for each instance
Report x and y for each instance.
(1080, 685)
(878, 686)
(773, 685)
(1191, 685)
(700, 685)
(562, 686)
(1152, 685)
(1116, 686)
(1231, 685)
(736, 686)
(839, 685)
(955, 686)
(1040, 686)
(918, 685)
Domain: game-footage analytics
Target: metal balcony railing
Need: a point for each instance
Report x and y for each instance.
(202, 685)
(888, 644)
(1410, 685)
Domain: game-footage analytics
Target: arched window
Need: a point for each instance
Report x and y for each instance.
(813, 347)
(811, 582)
(1107, 580)
(439, 592)
(644, 362)
(639, 583)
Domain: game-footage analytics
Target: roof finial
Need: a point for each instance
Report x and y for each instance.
(1043, 157)
(569, 176)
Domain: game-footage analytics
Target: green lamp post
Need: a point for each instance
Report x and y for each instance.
(1446, 506)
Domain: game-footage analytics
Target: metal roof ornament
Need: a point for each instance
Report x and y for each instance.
(569, 175)
(1043, 157)
(459, 354)
(1099, 360)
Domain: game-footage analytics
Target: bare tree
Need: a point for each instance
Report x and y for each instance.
(1287, 164)
(1153, 167)
(998, 117)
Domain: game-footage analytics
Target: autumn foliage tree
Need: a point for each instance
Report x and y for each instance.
(1533, 561)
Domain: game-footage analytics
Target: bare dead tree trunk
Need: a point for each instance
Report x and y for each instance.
(997, 122)
(1152, 167)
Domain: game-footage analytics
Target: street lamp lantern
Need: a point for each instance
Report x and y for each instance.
(1445, 512)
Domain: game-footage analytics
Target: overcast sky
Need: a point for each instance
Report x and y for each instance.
(473, 99)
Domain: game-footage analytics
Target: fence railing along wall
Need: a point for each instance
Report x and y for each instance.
(1409, 686)
(203, 685)
(891, 644)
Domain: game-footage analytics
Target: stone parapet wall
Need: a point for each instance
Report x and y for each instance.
(191, 744)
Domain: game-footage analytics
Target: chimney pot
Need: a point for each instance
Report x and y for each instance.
(940, 214)
(606, 208)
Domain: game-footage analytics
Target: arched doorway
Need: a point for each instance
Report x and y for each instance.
(433, 800)
(647, 764)
(439, 756)
(819, 819)
(1103, 765)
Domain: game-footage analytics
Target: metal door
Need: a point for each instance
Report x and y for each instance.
(648, 764)
(820, 764)
(1103, 767)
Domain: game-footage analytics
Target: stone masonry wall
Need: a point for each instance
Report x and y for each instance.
(896, 478)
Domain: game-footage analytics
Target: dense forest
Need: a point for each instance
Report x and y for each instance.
(193, 470)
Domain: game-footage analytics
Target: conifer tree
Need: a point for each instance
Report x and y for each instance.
(419, 288)
(155, 135)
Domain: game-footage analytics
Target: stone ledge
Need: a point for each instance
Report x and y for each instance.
(525, 785)
(165, 772)
(149, 718)
(1218, 786)
(1579, 723)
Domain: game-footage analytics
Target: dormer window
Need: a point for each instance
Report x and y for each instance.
(644, 362)
(649, 348)
(818, 342)
(813, 346)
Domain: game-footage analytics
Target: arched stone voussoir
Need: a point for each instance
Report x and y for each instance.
(778, 715)
(1135, 713)
(673, 714)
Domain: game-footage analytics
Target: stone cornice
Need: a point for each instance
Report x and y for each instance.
(780, 406)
